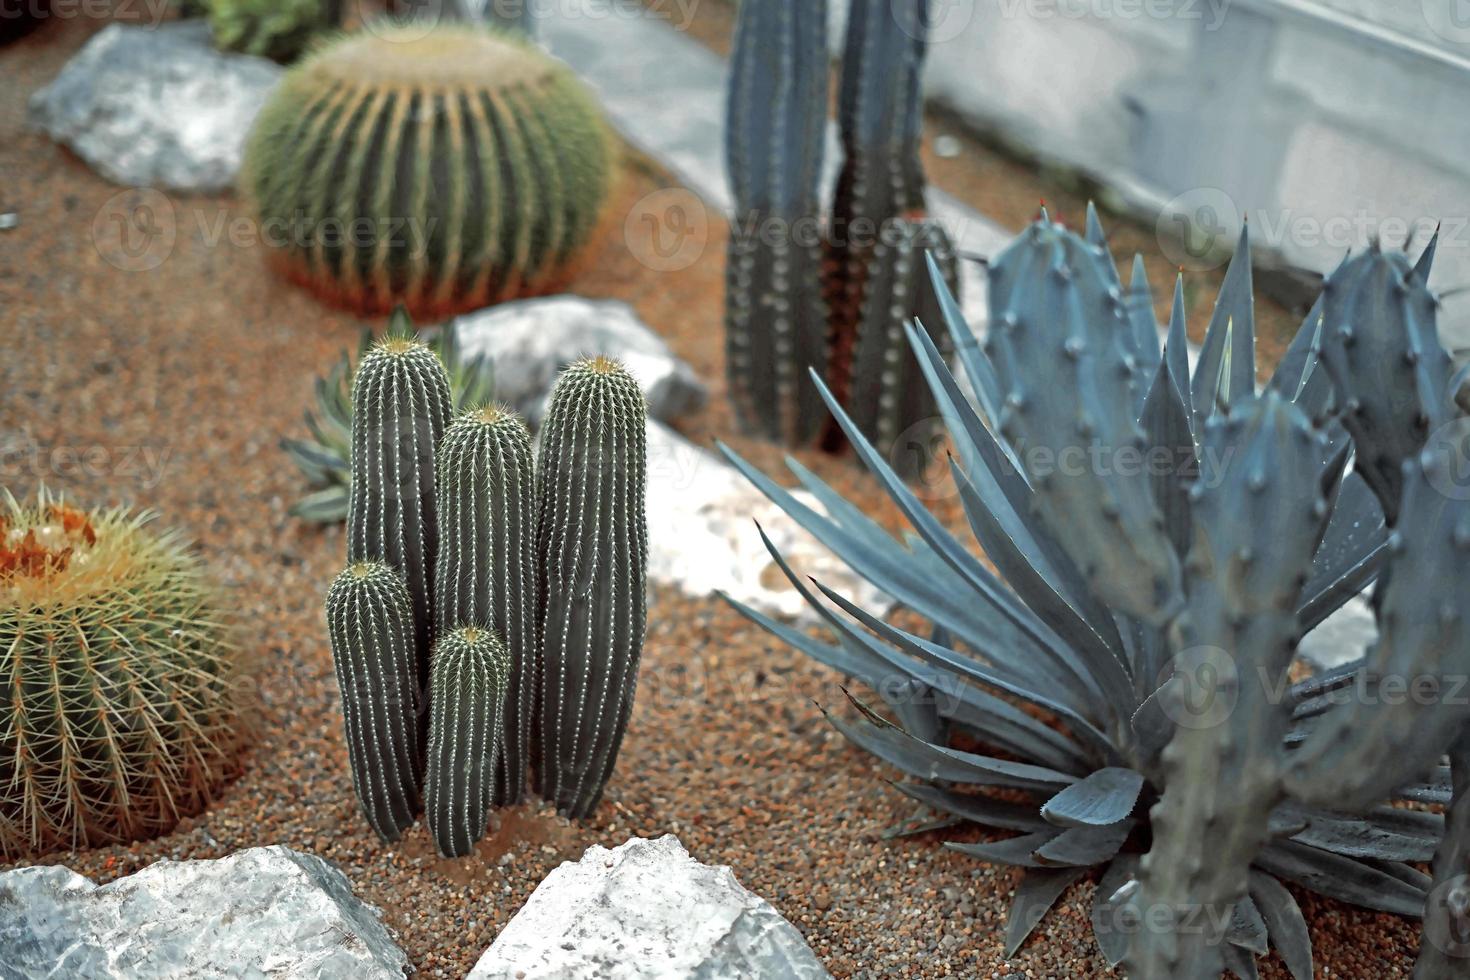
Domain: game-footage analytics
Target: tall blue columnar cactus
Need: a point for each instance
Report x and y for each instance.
(592, 544)
(486, 573)
(466, 710)
(775, 315)
(880, 230)
(370, 625)
(400, 409)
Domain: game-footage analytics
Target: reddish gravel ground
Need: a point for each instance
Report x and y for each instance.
(207, 360)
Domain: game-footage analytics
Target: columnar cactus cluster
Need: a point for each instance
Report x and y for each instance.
(442, 169)
(123, 707)
(798, 301)
(464, 563)
(1158, 540)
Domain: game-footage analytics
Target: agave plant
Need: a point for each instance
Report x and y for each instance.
(1049, 659)
(324, 458)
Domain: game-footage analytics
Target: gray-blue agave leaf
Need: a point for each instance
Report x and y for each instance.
(1386, 886)
(1035, 895)
(1172, 463)
(1176, 352)
(1057, 317)
(1258, 509)
(1356, 755)
(1104, 797)
(1350, 555)
(1381, 347)
(982, 581)
(1247, 928)
(1085, 846)
(1140, 300)
(1108, 925)
(977, 808)
(1226, 369)
(1300, 376)
(1018, 852)
(1384, 833)
(971, 356)
(1285, 924)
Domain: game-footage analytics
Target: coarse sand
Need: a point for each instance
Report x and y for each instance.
(169, 388)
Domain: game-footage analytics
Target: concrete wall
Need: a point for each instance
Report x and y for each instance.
(1323, 122)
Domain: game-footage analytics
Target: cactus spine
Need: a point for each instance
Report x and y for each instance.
(466, 708)
(486, 571)
(400, 408)
(775, 314)
(445, 171)
(592, 544)
(370, 624)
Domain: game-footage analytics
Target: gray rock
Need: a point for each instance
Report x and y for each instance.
(646, 910)
(531, 341)
(1342, 637)
(156, 107)
(702, 535)
(265, 912)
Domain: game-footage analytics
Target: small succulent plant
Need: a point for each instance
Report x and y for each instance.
(277, 29)
(444, 169)
(325, 458)
(487, 574)
(592, 545)
(794, 304)
(125, 708)
(370, 625)
(466, 702)
(1158, 541)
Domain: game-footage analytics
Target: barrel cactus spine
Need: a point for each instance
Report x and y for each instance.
(486, 568)
(400, 409)
(126, 706)
(592, 545)
(370, 625)
(445, 170)
(466, 703)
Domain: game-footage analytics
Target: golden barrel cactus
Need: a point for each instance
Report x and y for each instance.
(444, 169)
(122, 692)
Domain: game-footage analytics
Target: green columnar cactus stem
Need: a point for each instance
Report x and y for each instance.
(443, 170)
(275, 29)
(592, 542)
(1069, 397)
(1258, 513)
(879, 229)
(1381, 347)
(486, 572)
(886, 395)
(1444, 952)
(123, 708)
(466, 707)
(1407, 705)
(400, 408)
(370, 625)
(775, 314)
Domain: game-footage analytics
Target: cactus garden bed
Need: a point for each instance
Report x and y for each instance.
(169, 387)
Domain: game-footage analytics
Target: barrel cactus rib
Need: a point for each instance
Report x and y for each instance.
(443, 169)
(370, 625)
(486, 574)
(592, 545)
(400, 408)
(466, 704)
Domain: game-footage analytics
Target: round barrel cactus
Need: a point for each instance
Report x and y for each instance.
(122, 707)
(444, 170)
